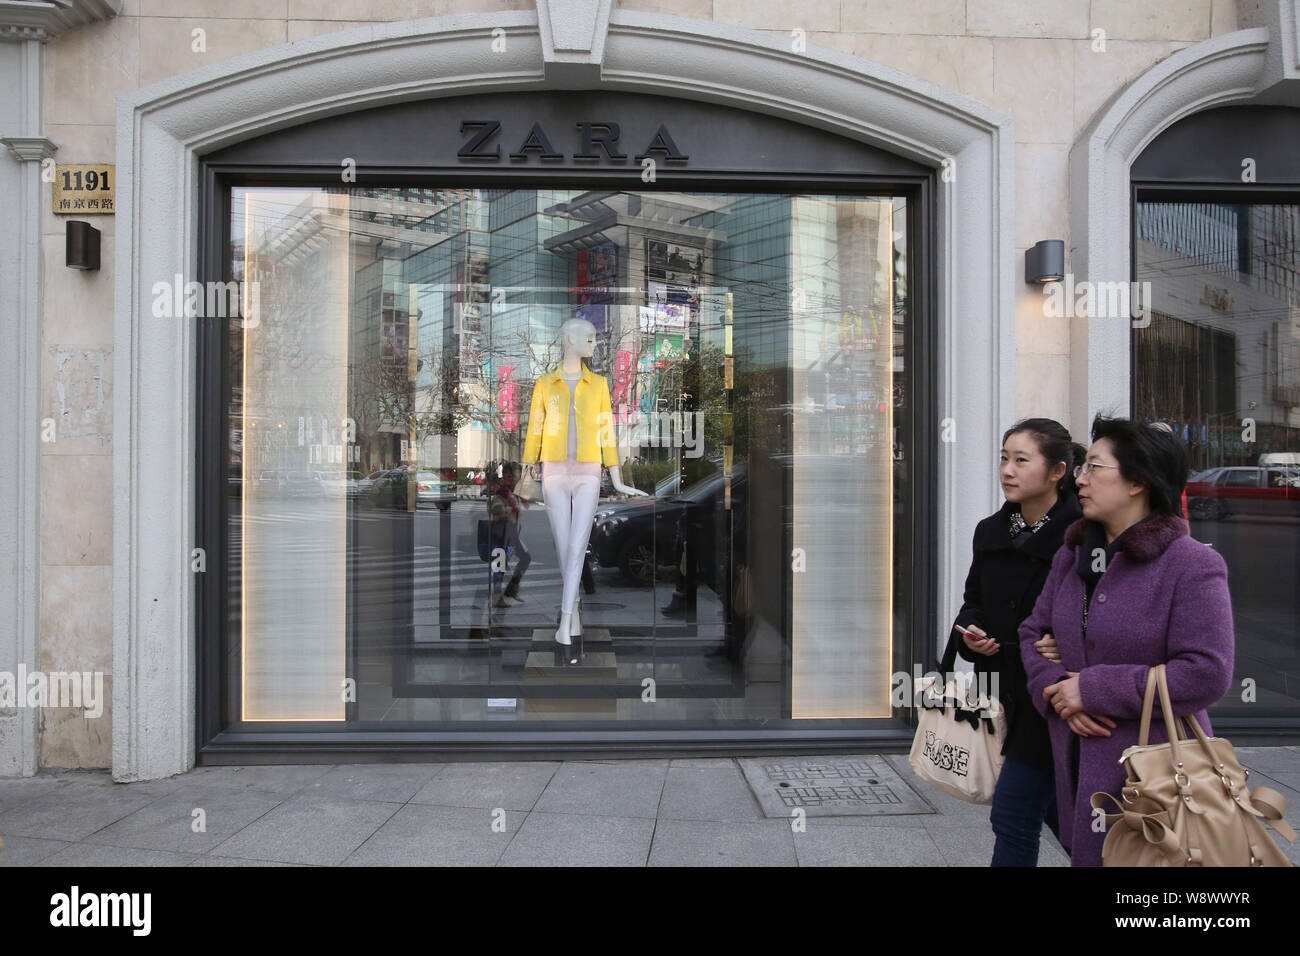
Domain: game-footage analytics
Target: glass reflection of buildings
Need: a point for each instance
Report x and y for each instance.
(1224, 340)
(489, 275)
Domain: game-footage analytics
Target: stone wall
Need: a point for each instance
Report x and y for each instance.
(1041, 61)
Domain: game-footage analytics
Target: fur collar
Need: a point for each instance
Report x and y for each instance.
(1144, 541)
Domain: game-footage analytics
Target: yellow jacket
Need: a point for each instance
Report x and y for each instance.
(548, 421)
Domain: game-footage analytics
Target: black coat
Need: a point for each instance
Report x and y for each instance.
(1001, 588)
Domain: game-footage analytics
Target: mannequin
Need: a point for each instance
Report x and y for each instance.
(571, 431)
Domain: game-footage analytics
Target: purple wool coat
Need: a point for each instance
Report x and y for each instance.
(1162, 600)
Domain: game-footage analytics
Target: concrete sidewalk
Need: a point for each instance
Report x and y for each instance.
(617, 812)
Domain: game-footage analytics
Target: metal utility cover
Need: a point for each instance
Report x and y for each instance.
(847, 786)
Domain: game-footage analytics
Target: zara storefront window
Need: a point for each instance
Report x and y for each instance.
(383, 569)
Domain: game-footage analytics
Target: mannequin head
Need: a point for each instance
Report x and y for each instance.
(578, 338)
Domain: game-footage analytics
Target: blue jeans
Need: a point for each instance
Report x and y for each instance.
(1024, 799)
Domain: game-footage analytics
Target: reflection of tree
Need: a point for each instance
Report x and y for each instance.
(449, 390)
(388, 397)
(697, 382)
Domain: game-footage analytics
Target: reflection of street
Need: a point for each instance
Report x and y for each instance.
(616, 603)
(395, 639)
(1263, 558)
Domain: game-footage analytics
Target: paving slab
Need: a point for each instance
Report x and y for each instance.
(27, 851)
(233, 861)
(1268, 759)
(87, 854)
(566, 839)
(169, 822)
(279, 779)
(511, 786)
(71, 814)
(708, 793)
(1285, 781)
(16, 790)
(605, 789)
(307, 828)
(973, 846)
(702, 763)
(865, 846)
(703, 843)
(420, 835)
(387, 783)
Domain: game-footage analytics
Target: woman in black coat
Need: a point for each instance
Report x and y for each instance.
(1013, 552)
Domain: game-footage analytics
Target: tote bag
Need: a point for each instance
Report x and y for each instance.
(959, 735)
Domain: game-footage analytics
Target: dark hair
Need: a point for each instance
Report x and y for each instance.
(1149, 455)
(1055, 444)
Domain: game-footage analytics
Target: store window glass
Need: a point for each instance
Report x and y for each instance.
(1220, 361)
(385, 567)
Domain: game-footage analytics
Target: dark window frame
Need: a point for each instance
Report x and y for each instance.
(215, 744)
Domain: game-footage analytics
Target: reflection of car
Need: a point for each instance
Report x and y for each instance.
(301, 484)
(269, 482)
(388, 488)
(355, 480)
(364, 485)
(639, 534)
(668, 485)
(436, 487)
(1243, 490)
(332, 483)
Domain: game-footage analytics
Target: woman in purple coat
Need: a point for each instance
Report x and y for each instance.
(1130, 589)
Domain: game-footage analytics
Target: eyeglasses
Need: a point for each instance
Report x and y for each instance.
(1087, 466)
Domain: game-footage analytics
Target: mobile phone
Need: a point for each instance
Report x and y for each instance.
(971, 634)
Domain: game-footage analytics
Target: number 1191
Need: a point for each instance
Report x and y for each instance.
(93, 180)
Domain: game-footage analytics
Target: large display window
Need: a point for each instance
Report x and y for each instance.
(739, 318)
(382, 570)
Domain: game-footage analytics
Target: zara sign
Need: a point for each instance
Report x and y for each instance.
(597, 141)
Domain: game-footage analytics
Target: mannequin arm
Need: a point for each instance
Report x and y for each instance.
(616, 475)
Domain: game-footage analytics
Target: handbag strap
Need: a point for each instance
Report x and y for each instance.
(1162, 686)
(949, 659)
(1144, 729)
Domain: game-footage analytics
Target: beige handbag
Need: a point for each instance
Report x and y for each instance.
(528, 488)
(1185, 802)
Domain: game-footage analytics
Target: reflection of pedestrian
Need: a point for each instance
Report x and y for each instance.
(504, 509)
(685, 547)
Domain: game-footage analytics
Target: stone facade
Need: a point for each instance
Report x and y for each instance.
(1050, 65)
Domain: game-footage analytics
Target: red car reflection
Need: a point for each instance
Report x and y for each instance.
(1244, 490)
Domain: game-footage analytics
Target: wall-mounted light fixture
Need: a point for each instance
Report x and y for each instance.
(1045, 261)
(83, 246)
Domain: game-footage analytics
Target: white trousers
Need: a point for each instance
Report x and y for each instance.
(570, 505)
